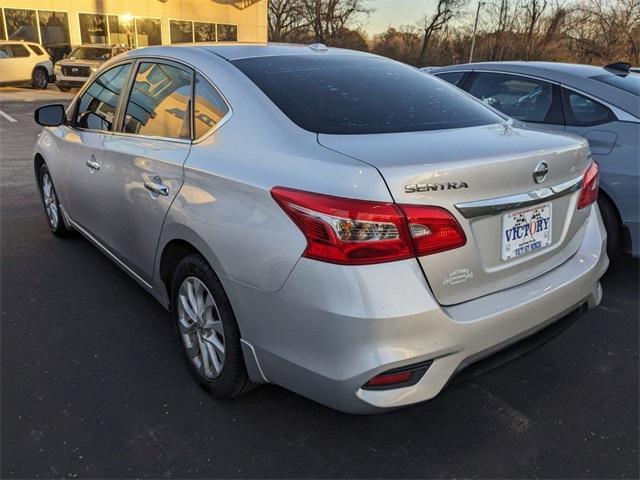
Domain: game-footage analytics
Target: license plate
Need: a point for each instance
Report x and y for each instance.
(525, 231)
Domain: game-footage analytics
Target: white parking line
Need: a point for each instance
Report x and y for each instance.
(7, 116)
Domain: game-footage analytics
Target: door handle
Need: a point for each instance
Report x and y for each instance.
(93, 164)
(156, 186)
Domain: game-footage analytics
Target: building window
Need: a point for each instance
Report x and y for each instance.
(149, 31)
(204, 32)
(2, 37)
(21, 24)
(122, 31)
(93, 28)
(227, 33)
(181, 31)
(54, 29)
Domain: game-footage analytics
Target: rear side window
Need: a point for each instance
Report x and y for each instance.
(36, 49)
(453, 78)
(522, 98)
(97, 106)
(210, 107)
(159, 103)
(5, 51)
(19, 51)
(582, 111)
(358, 95)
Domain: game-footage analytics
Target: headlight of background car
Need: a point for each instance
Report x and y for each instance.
(94, 69)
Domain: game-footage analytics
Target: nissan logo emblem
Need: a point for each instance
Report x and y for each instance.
(540, 172)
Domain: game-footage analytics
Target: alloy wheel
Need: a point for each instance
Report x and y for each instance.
(40, 79)
(50, 201)
(201, 327)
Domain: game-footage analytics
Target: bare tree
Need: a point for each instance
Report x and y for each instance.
(534, 10)
(328, 17)
(284, 19)
(445, 11)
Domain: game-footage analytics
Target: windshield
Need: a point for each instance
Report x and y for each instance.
(90, 53)
(357, 95)
(629, 82)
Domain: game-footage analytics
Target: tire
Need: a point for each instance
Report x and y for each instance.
(51, 205)
(613, 225)
(63, 89)
(39, 78)
(195, 286)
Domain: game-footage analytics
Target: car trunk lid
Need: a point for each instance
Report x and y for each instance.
(484, 176)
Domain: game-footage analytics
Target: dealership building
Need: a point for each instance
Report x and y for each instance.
(134, 23)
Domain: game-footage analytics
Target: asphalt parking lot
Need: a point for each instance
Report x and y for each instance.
(93, 383)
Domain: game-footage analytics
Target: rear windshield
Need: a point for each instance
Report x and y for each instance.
(357, 95)
(629, 82)
(91, 53)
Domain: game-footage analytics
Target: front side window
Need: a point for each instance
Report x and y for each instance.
(522, 98)
(181, 31)
(21, 24)
(227, 33)
(54, 29)
(159, 104)
(451, 77)
(583, 111)
(5, 51)
(210, 107)
(97, 106)
(358, 95)
(93, 28)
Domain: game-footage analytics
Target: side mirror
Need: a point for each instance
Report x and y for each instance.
(50, 115)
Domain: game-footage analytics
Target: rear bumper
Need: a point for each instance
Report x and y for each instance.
(332, 328)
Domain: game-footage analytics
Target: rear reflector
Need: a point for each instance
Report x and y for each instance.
(590, 186)
(389, 379)
(358, 232)
(398, 377)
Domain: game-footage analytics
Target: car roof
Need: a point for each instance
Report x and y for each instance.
(236, 50)
(96, 45)
(580, 77)
(20, 42)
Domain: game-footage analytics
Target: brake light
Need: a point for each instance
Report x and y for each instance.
(433, 229)
(358, 232)
(590, 186)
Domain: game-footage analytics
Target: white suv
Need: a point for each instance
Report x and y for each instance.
(24, 62)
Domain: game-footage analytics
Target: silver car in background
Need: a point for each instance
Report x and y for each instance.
(326, 220)
(602, 104)
(76, 68)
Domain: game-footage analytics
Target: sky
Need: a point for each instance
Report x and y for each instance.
(394, 13)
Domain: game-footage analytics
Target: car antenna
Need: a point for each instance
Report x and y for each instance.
(619, 66)
(319, 47)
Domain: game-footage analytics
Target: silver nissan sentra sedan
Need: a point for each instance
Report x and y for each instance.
(326, 220)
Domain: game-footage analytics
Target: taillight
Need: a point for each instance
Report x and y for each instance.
(433, 229)
(590, 186)
(359, 232)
